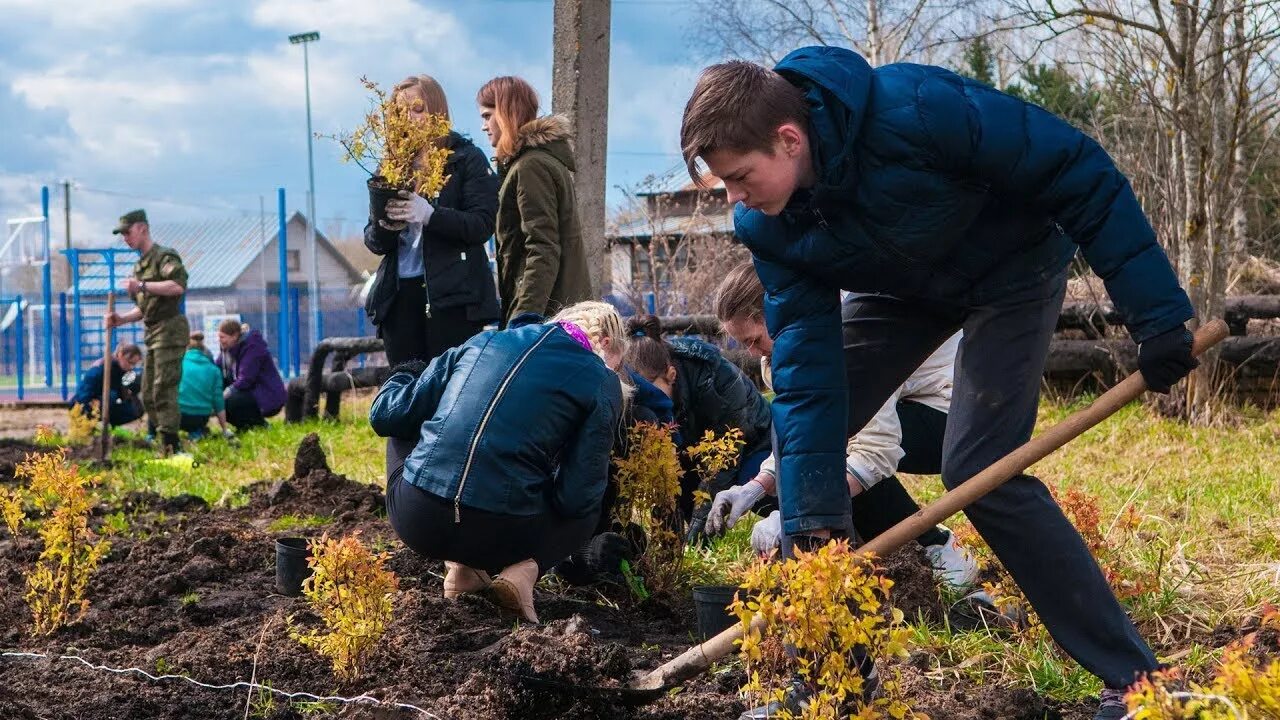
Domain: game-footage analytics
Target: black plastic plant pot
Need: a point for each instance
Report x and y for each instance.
(710, 603)
(291, 565)
(379, 193)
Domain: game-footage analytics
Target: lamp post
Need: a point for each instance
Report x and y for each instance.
(313, 282)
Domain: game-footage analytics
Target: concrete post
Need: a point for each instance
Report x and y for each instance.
(580, 91)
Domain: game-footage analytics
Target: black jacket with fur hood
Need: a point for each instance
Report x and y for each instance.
(542, 266)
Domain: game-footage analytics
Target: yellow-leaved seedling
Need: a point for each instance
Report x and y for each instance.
(83, 421)
(352, 591)
(713, 455)
(1241, 688)
(402, 150)
(648, 478)
(829, 606)
(56, 585)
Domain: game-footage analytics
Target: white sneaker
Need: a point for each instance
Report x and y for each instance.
(953, 564)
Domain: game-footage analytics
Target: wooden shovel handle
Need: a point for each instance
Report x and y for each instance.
(699, 658)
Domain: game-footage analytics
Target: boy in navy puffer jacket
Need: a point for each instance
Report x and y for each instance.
(965, 204)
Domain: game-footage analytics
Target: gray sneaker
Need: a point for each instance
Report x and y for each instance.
(1112, 706)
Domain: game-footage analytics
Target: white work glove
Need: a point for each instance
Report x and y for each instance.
(731, 504)
(766, 536)
(411, 208)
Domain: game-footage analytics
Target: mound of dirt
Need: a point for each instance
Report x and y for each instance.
(310, 457)
(12, 453)
(915, 589)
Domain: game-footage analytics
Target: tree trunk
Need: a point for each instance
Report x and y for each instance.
(874, 41)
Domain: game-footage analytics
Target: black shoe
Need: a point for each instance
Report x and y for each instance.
(169, 443)
(600, 559)
(1112, 706)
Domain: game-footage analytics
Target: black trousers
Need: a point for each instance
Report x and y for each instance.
(243, 411)
(483, 540)
(408, 334)
(193, 423)
(887, 502)
(993, 411)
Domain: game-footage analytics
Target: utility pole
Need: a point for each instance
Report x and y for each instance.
(580, 90)
(313, 282)
(66, 209)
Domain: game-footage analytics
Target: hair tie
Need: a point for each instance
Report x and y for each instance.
(639, 332)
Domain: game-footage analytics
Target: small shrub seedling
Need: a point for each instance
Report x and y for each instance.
(829, 606)
(83, 422)
(712, 456)
(648, 489)
(352, 591)
(1240, 688)
(56, 585)
(402, 151)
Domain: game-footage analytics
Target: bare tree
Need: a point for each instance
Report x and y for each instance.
(883, 31)
(1197, 94)
(680, 245)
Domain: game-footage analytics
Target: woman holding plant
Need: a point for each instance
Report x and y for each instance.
(542, 267)
(498, 451)
(433, 289)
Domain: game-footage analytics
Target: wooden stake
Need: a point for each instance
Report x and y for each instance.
(105, 407)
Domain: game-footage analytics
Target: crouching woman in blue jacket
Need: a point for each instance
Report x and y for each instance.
(499, 453)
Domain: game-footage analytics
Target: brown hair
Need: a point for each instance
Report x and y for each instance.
(433, 98)
(514, 103)
(230, 326)
(432, 94)
(196, 341)
(647, 353)
(740, 294)
(737, 106)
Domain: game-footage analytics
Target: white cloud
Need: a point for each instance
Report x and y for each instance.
(88, 14)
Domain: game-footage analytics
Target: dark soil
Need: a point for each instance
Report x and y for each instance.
(189, 591)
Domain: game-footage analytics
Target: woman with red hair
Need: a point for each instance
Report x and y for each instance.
(542, 267)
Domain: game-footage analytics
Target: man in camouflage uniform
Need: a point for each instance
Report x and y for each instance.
(157, 285)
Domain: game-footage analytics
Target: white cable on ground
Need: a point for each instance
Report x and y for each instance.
(358, 700)
(1182, 695)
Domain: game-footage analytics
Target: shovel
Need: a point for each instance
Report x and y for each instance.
(699, 658)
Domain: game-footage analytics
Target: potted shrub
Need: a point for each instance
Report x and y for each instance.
(405, 154)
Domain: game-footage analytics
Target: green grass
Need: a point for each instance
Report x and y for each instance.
(1208, 499)
(292, 523)
(221, 470)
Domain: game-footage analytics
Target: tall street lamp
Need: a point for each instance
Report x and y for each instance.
(313, 282)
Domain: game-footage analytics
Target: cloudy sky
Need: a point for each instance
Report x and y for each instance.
(194, 108)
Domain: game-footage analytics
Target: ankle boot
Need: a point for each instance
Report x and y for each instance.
(513, 589)
(459, 579)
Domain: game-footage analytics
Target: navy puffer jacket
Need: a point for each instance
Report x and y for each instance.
(518, 422)
(936, 188)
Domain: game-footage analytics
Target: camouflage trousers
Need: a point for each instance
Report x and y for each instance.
(166, 343)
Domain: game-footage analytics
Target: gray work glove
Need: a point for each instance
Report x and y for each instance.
(410, 208)
(731, 504)
(766, 536)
